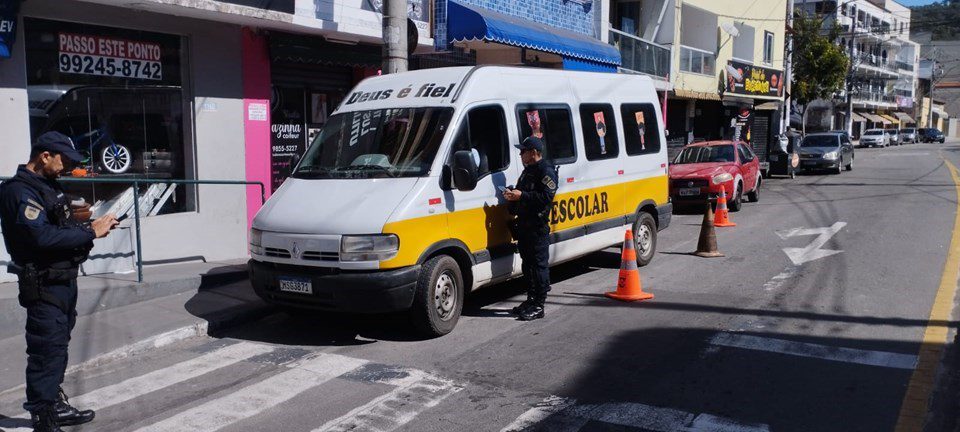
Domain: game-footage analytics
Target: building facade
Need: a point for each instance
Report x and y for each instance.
(187, 90)
(883, 77)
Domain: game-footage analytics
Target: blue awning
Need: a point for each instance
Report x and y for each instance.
(472, 23)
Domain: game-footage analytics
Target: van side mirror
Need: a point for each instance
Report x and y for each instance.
(464, 169)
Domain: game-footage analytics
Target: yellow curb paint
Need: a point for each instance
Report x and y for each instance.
(917, 398)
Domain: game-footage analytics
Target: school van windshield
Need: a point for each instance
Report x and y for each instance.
(378, 143)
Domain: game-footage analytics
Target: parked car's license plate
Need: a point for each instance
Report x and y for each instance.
(689, 191)
(296, 285)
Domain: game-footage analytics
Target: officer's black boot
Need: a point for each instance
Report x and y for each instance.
(45, 420)
(523, 306)
(534, 311)
(70, 416)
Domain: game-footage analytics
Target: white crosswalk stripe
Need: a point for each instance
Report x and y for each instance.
(254, 399)
(135, 387)
(414, 393)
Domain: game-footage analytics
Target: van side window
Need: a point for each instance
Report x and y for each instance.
(485, 129)
(599, 131)
(641, 132)
(552, 124)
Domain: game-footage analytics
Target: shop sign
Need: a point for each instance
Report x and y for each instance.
(108, 56)
(288, 138)
(753, 80)
(904, 102)
(8, 26)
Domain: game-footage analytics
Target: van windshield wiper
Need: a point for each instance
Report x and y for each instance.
(311, 172)
(386, 170)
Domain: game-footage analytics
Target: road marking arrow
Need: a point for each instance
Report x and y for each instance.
(812, 251)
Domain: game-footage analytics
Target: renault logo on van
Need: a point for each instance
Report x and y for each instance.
(296, 250)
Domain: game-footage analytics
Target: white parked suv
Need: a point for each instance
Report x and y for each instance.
(875, 138)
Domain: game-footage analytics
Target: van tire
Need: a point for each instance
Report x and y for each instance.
(434, 313)
(645, 232)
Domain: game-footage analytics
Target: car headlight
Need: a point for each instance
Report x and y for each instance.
(721, 178)
(831, 155)
(256, 239)
(369, 247)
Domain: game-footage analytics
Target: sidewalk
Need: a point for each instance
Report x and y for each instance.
(105, 292)
(119, 317)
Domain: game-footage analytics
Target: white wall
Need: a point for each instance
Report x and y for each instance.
(217, 230)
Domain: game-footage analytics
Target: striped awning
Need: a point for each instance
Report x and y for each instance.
(690, 94)
(875, 118)
(904, 117)
(859, 118)
(890, 118)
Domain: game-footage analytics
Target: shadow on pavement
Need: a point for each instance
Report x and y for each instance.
(682, 369)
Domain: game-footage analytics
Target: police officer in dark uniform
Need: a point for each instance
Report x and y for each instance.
(531, 202)
(48, 239)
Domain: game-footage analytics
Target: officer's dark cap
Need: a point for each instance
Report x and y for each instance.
(56, 142)
(531, 143)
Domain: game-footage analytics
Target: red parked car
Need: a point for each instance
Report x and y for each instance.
(701, 169)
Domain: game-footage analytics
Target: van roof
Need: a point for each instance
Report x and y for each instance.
(454, 85)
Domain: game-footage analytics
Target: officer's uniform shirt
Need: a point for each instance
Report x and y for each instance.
(538, 184)
(37, 230)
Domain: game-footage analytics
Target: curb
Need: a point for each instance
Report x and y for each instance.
(199, 328)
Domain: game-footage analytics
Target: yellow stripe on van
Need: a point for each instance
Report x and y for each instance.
(570, 210)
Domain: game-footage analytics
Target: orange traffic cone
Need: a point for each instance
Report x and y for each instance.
(723, 216)
(628, 286)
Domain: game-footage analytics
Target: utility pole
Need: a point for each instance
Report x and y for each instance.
(394, 36)
(853, 43)
(788, 71)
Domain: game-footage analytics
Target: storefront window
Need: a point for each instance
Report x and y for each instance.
(117, 93)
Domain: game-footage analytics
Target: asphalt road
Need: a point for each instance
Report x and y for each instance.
(750, 342)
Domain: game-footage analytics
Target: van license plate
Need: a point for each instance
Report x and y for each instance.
(689, 191)
(296, 285)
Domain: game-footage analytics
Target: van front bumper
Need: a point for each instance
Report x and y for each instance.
(333, 289)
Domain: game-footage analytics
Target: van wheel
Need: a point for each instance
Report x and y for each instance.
(438, 299)
(645, 238)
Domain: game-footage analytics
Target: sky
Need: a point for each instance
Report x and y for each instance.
(916, 2)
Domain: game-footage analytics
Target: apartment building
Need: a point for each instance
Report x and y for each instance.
(883, 78)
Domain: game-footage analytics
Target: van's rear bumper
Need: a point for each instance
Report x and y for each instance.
(337, 290)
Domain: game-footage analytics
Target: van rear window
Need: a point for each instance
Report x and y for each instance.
(641, 132)
(554, 125)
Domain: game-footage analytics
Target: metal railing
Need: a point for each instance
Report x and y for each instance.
(864, 96)
(698, 61)
(876, 61)
(136, 182)
(639, 55)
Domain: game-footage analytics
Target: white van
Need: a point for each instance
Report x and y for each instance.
(395, 205)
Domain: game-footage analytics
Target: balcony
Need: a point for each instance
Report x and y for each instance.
(876, 63)
(697, 61)
(875, 98)
(641, 56)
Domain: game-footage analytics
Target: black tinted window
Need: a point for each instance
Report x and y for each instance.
(554, 126)
(485, 130)
(640, 129)
(599, 131)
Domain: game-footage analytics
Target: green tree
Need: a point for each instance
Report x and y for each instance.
(820, 65)
(941, 19)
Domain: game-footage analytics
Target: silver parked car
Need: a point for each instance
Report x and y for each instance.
(875, 138)
(894, 136)
(908, 135)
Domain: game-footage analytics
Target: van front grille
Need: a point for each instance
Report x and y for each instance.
(276, 252)
(321, 256)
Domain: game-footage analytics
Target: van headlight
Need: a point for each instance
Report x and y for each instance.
(831, 155)
(256, 239)
(721, 178)
(369, 247)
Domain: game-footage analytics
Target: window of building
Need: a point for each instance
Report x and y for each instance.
(599, 131)
(641, 132)
(743, 45)
(117, 93)
(697, 61)
(768, 41)
(486, 131)
(554, 125)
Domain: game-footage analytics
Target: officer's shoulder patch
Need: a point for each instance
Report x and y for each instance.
(34, 203)
(31, 213)
(548, 182)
